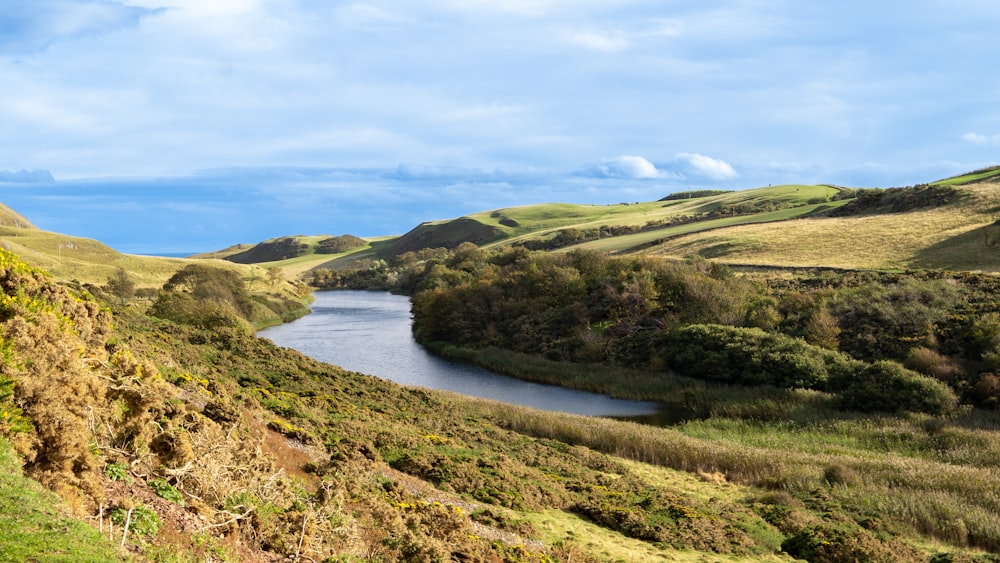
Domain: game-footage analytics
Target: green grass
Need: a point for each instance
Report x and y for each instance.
(36, 526)
(926, 476)
(634, 241)
(969, 178)
(959, 236)
(557, 526)
(918, 493)
(536, 221)
(70, 258)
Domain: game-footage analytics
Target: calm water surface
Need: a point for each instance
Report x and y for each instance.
(370, 332)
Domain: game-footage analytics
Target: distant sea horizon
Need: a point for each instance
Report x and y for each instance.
(168, 254)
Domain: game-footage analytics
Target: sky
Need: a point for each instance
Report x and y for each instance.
(163, 126)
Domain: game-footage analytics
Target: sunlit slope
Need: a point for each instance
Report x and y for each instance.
(83, 260)
(297, 255)
(11, 218)
(540, 221)
(959, 236)
(639, 241)
(532, 218)
(990, 174)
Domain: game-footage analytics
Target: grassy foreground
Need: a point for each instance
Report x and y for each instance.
(36, 526)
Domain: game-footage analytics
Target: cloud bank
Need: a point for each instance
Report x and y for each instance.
(683, 166)
(979, 139)
(26, 177)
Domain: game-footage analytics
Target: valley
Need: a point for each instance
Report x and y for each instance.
(838, 351)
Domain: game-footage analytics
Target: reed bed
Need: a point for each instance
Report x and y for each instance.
(914, 488)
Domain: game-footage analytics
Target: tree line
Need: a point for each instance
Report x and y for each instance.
(918, 341)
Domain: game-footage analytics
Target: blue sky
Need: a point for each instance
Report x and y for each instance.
(187, 125)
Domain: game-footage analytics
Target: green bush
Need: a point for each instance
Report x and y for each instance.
(835, 543)
(751, 356)
(889, 387)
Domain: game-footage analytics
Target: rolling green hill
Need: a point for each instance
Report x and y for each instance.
(948, 224)
(86, 263)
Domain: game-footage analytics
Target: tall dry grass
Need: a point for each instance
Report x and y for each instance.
(929, 492)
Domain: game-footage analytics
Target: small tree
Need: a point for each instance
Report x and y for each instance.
(121, 285)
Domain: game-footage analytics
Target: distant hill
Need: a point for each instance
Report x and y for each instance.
(224, 253)
(559, 225)
(446, 234)
(948, 224)
(274, 250)
(888, 229)
(85, 261)
(286, 248)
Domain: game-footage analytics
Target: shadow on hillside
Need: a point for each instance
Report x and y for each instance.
(978, 249)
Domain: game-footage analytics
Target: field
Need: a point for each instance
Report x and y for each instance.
(959, 237)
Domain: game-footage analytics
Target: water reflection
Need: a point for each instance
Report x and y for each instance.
(370, 332)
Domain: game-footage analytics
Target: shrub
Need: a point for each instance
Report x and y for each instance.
(336, 245)
(889, 387)
(840, 474)
(836, 543)
(751, 356)
(932, 363)
(12, 419)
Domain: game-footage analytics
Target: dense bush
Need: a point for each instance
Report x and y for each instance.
(888, 386)
(205, 297)
(751, 356)
(583, 306)
(898, 200)
(827, 543)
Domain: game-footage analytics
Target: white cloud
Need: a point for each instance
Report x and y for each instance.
(608, 42)
(705, 166)
(630, 167)
(624, 37)
(980, 139)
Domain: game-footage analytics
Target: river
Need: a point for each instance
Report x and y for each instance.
(370, 332)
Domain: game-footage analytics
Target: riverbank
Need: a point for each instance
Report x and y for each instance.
(681, 398)
(370, 332)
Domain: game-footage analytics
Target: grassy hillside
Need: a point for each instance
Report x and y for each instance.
(86, 263)
(781, 226)
(984, 175)
(85, 260)
(11, 218)
(958, 236)
(522, 223)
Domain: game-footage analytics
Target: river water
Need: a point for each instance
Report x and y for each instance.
(370, 332)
